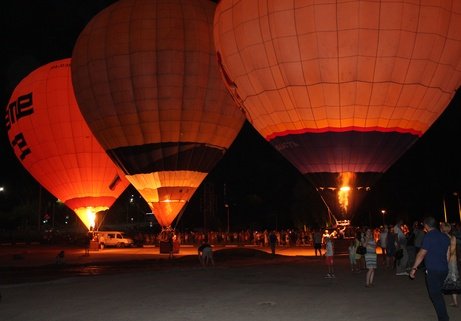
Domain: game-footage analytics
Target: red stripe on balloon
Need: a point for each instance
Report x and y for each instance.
(345, 129)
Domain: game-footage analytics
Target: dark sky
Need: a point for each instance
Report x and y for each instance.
(262, 186)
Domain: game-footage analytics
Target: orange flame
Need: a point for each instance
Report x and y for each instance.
(346, 179)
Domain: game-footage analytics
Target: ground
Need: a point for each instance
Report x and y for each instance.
(245, 284)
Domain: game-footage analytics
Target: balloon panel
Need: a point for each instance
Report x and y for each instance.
(343, 86)
(51, 139)
(341, 67)
(147, 82)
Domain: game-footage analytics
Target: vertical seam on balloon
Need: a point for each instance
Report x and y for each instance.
(243, 100)
(339, 83)
(270, 32)
(105, 63)
(375, 63)
(130, 71)
(316, 33)
(377, 146)
(439, 60)
(260, 29)
(306, 86)
(409, 63)
(210, 55)
(354, 115)
(183, 19)
(357, 77)
(296, 110)
(271, 115)
(155, 52)
(337, 63)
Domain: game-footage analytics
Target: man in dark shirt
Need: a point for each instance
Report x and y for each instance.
(273, 242)
(434, 252)
(205, 253)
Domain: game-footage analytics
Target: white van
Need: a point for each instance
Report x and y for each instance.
(114, 238)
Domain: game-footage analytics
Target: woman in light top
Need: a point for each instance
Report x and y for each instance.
(370, 257)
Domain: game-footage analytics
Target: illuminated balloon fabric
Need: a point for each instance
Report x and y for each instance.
(147, 82)
(345, 86)
(51, 139)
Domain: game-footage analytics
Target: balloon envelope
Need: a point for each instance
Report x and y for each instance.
(147, 82)
(341, 88)
(53, 142)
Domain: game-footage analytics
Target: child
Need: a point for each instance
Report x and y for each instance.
(352, 256)
(329, 257)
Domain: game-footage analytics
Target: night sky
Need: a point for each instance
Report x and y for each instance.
(263, 189)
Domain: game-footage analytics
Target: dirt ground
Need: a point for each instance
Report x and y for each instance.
(243, 285)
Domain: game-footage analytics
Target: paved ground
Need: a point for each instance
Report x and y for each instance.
(245, 284)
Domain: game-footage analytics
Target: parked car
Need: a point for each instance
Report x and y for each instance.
(114, 238)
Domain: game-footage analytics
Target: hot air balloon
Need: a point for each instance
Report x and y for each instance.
(341, 88)
(53, 142)
(148, 84)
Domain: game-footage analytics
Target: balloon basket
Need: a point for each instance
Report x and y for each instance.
(94, 246)
(165, 247)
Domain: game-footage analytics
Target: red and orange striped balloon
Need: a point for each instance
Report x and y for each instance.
(53, 142)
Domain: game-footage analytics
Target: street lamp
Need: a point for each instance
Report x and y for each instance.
(228, 217)
(384, 213)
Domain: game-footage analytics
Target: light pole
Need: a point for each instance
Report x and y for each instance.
(459, 205)
(228, 217)
(384, 213)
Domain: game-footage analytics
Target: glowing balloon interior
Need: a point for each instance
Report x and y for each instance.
(147, 82)
(52, 141)
(340, 86)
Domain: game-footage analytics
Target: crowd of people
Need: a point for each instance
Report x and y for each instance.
(283, 237)
(432, 247)
(402, 248)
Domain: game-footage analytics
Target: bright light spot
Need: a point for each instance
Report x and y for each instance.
(88, 215)
(344, 194)
(91, 217)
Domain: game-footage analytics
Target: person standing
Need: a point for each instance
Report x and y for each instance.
(401, 245)
(452, 284)
(390, 248)
(383, 243)
(370, 257)
(171, 244)
(318, 242)
(352, 250)
(272, 241)
(205, 254)
(419, 235)
(329, 252)
(88, 239)
(434, 252)
(360, 259)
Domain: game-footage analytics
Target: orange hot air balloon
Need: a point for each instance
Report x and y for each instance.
(52, 141)
(148, 84)
(341, 88)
